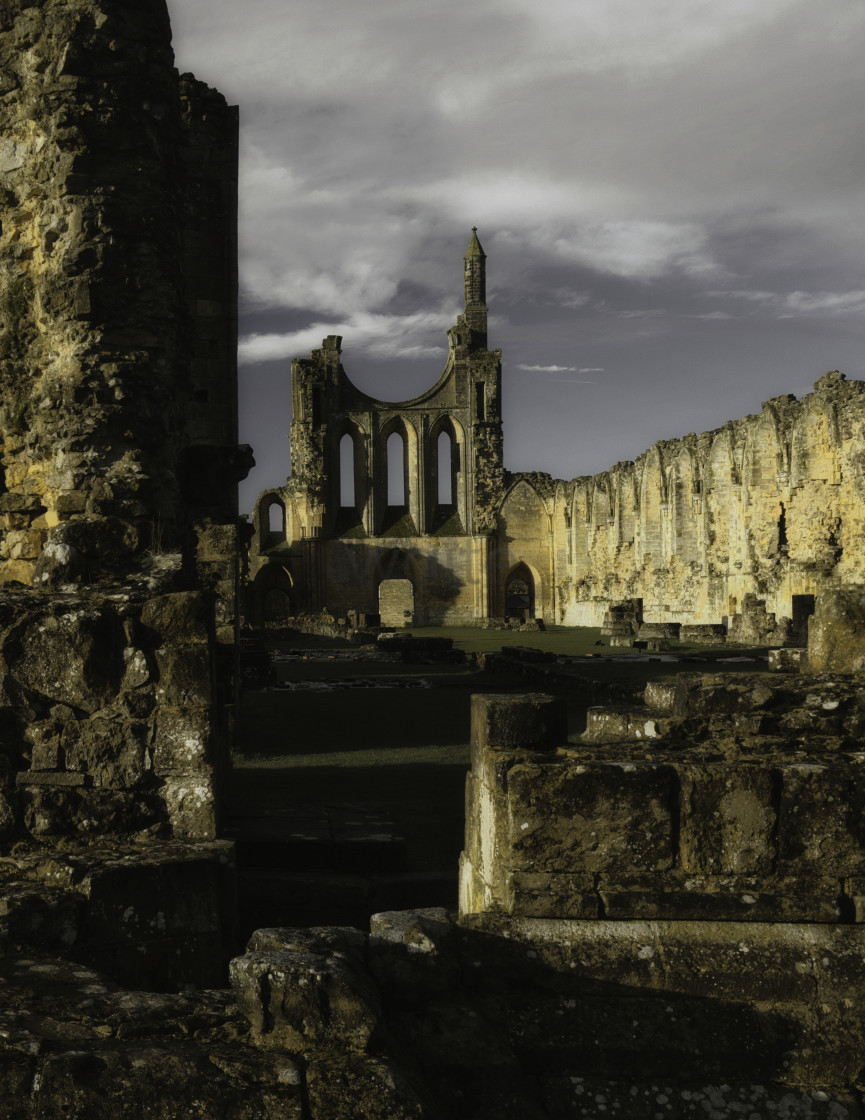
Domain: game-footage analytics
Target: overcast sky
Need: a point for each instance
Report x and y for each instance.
(669, 194)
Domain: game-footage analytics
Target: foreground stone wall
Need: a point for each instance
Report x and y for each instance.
(118, 269)
(118, 512)
(702, 849)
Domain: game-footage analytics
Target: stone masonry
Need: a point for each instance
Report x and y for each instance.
(118, 515)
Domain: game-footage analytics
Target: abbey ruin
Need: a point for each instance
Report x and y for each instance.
(663, 916)
(767, 507)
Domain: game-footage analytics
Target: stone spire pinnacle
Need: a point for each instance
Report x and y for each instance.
(474, 249)
(476, 287)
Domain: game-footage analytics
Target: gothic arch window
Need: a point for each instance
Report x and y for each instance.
(271, 521)
(397, 482)
(444, 460)
(396, 469)
(347, 491)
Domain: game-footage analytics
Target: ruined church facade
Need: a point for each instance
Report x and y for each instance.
(768, 506)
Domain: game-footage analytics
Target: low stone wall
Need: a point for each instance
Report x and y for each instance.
(697, 850)
(157, 918)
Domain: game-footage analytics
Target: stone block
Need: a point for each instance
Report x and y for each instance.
(729, 898)
(298, 998)
(191, 806)
(137, 900)
(788, 660)
(185, 676)
(550, 895)
(532, 721)
(616, 725)
(660, 695)
(339, 1088)
(181, 618)
(591, 817)
(75, 657)
(836, 632)
(182, 740)
(110, 752)
(51, 810)
(820, 823)
(703, 635)
(59, 779)
(728, 819)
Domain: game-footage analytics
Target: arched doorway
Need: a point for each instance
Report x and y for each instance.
(272, 595)
(520, 593)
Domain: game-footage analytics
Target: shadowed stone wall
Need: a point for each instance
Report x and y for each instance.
(118, 511)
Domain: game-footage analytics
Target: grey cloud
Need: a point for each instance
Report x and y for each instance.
(622, 160)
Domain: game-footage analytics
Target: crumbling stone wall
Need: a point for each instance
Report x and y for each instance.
(118, 510)
(768, 506)
(702, 850)
(313, 551)
(118, 271)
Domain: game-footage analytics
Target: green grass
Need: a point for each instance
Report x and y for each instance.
(451, 755)
(316, 669)
(555, 639)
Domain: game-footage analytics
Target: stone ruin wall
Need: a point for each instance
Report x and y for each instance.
(769, 505)
(118, 508)
(118, 307)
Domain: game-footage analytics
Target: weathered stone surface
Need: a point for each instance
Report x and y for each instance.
(751, 814)
(532, 721)
(73, 657)
(301, 995)
(181, 618)
(728, 819)
(591, 816)
(73, 1043)
(836, 633)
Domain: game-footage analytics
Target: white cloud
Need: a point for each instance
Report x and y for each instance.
(380, 336)
(548, 369)
(793, 304)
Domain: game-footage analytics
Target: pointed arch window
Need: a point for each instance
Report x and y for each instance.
(444, 468)
(396, 470)
(347, 490)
